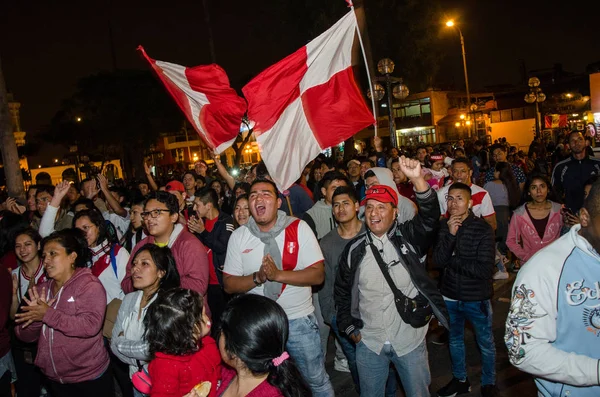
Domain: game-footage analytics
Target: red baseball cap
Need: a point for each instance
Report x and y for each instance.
(381, 193)
(175, 185)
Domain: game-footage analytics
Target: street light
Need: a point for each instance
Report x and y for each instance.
(535, 95)
(399, 91)
(451, 24)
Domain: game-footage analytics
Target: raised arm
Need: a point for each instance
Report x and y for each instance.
(223, 171)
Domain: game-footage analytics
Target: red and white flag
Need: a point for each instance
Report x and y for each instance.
(211, 106)
(555, 121)
(307, 102)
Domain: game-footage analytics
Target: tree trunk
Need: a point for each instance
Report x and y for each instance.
(10, 156)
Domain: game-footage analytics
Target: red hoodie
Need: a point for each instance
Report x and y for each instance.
(174, 376)
(70, 344)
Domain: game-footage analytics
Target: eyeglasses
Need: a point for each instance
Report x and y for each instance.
(42, 200)
(153, 213)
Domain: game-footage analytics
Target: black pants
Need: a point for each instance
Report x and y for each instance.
(30, 378)
(5, 384)
(100, 387)
(120, 371)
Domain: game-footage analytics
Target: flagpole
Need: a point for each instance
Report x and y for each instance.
(362, 48)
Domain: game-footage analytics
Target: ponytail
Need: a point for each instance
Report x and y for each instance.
(288, 380)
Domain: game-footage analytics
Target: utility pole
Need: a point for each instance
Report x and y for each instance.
(8, 147)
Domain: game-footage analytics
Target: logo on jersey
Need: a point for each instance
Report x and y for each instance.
(291, 247)
(577, 294)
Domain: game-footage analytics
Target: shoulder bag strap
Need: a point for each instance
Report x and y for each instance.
(386, 273)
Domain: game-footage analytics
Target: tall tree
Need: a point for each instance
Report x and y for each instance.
(10, 155)
(116, 114)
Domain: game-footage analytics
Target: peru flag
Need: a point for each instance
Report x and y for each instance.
(307, 102)
(203, 93)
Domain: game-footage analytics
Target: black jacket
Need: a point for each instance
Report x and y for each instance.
(568, 179)
(467, 260)
(217, 240)
(411, 240)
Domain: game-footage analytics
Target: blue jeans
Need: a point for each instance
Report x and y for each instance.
(479, 314)
(304, 346)
(349, 349)
(373, 370)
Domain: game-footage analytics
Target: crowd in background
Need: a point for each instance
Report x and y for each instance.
(142, 284)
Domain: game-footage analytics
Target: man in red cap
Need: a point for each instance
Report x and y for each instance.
(367, 311)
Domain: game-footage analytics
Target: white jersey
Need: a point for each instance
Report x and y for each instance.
(24, 282)
(245, 253)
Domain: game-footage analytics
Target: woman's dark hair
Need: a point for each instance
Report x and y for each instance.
(89, 204)
(508, 179)
(536, 175)
(166, 198)
(72, 240)
(10, 224)
(172, 322)
(164, 260)
(245, 186)
(29, 231)
(98, 220)
(235, 202)
(256, 331)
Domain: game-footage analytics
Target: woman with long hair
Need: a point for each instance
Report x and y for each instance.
(536, 223)
(109, 259)
(254, 333)
(505, 194)
(65, 316)
(29, 273)
(153, 271)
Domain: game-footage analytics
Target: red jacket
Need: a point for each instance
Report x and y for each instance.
(190, 257)
(70, 344)
(175, 376)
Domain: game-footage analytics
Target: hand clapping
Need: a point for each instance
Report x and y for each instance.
(36, 307)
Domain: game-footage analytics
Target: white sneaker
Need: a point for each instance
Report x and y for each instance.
(340, 364)
(500, 275)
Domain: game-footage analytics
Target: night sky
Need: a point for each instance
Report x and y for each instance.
(45, 47)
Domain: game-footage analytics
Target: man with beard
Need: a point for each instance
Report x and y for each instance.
(552, 326)
(278, 256)
(570, 175)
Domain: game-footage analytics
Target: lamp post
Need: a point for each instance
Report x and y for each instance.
(535, 95)
(395, 87)
(451, 24)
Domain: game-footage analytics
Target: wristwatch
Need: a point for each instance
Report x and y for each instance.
(256, 282)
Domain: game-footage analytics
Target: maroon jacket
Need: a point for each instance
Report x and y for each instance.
(190, 257)
(70, 344)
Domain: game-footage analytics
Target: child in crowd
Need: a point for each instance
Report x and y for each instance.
(184, 355)
(436, 175)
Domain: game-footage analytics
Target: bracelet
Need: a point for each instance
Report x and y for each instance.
(256, 282)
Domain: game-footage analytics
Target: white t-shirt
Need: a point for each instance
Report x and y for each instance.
(482, 202)
(245, 254)
(25, 282)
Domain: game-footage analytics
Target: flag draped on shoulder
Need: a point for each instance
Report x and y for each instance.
(204, 95)
(307, 102)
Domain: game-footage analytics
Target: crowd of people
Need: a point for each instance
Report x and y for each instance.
(206, 284)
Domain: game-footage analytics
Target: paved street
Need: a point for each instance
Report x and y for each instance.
(510, 381)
